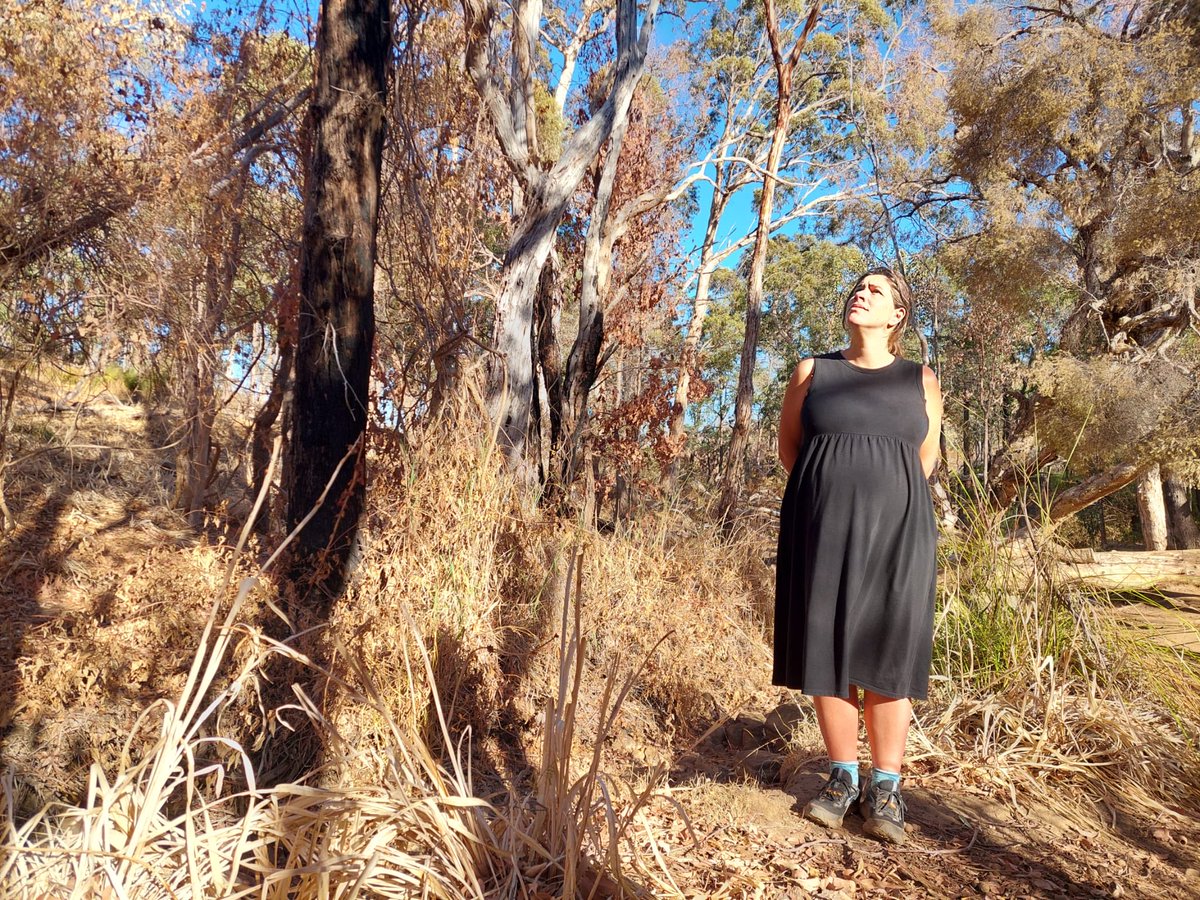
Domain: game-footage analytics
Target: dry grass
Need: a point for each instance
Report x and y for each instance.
(455, 578)
(165, 825)
(488, 666)
(462, 550)
(1039, 684)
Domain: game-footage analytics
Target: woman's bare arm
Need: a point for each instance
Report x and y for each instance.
(931, 446)
(791, 431)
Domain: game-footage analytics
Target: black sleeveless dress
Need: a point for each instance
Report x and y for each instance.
(857, 570)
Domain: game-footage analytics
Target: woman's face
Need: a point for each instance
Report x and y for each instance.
(873, 305)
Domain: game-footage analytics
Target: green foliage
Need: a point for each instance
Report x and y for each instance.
(551, 127)
(123, 376)
(805, 284)
(721, 344)
(1068, 132)
(872, 11)
(137, 385)
(995, 628)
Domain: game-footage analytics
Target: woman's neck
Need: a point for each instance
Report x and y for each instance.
(868, 352)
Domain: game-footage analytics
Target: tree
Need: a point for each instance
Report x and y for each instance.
(816, 170)
(785, 67)
(326, 461)
(544, 189)
(72, 76)
(230, 199)
(1077, 125)
(1043, 169)
(629, 230)
(734, 83)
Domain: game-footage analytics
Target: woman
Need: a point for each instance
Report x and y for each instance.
(856, 571)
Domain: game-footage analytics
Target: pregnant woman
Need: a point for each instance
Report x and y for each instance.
(856, 573)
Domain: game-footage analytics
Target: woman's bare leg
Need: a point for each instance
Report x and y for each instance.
(838, 718)
(887, 721)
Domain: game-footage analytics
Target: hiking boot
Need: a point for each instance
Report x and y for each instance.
(831, 804)
(883, 810)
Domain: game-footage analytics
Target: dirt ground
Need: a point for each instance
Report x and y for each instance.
(967, 837)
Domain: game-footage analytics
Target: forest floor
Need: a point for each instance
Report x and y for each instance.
(93, 582)
(967, 836)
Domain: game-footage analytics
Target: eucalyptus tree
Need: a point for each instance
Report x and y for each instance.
(810, 156)
(1076, 124)
(630, 228)
(732, 79)
(816, 170)
(543, 186)
(326, 456)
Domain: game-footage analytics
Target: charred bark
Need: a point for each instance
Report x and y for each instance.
(325, 463)
(264, 422)
(582, 367)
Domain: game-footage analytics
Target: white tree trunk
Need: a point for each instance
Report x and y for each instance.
(1152, 509)
(510, 370)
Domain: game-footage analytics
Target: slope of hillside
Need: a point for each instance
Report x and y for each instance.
(106, 592)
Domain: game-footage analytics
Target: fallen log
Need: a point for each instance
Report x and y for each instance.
(1118, 570)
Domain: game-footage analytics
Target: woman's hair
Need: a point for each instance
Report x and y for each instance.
(901, 296)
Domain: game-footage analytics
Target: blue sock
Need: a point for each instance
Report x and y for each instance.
(878, 775)
(851, 767)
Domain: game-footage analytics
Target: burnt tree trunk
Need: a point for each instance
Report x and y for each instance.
(264, 422)
(326, 457)
(547, 323)
(582, 361)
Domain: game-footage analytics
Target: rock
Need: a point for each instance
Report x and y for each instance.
(763, 765)
(745, 733)
(783, 719)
